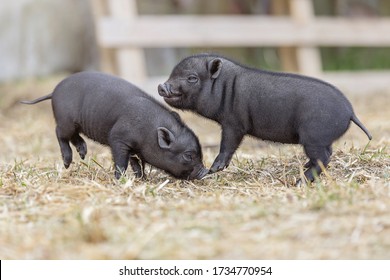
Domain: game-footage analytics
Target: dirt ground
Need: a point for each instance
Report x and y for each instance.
(252, 210)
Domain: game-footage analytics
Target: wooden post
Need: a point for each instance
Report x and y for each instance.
(287, 54)
(130, 60)
(107, 56)
(308, 57)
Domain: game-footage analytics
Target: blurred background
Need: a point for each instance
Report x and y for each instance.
(45, 37)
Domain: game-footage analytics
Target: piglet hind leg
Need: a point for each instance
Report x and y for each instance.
(63, 140)
(138, 166)
(121, 157)
(316, 154)
(80, 145)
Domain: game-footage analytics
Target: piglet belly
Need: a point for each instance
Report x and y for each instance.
(96, 123)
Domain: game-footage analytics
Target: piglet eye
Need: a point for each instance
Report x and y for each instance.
(187, 157)
(192, 79)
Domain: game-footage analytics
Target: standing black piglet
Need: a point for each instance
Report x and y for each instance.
(116, 113)
(279, 107)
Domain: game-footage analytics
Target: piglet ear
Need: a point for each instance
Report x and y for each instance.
(165, 137)
(215, 67)
(176, 116)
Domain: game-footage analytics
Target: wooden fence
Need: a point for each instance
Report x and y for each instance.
(122, 34)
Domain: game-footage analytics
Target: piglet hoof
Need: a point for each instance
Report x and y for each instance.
(118, 175)
(82, 150)
(67, 161)
(140, 175)
(217, 166)
(202, 172)
(213, 170)
(300, 183)
(308, 164)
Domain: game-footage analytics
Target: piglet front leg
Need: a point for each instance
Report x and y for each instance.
(230, 141)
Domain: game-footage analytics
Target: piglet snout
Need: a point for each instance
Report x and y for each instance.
(203, 173)
(164, 90)
(199, 174)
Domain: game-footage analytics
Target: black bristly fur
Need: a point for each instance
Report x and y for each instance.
(274, 106)
(116, 113)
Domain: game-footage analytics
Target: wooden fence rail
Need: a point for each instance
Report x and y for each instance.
(122, 34)
(251, 31)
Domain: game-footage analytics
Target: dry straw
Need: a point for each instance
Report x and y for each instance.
(251, 210)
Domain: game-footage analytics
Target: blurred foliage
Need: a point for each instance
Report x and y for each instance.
(355, 58)
(354, 8)
(204, 7)
(266, 58)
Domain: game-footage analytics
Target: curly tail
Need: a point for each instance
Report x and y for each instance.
(362, 127)
(35, 101)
